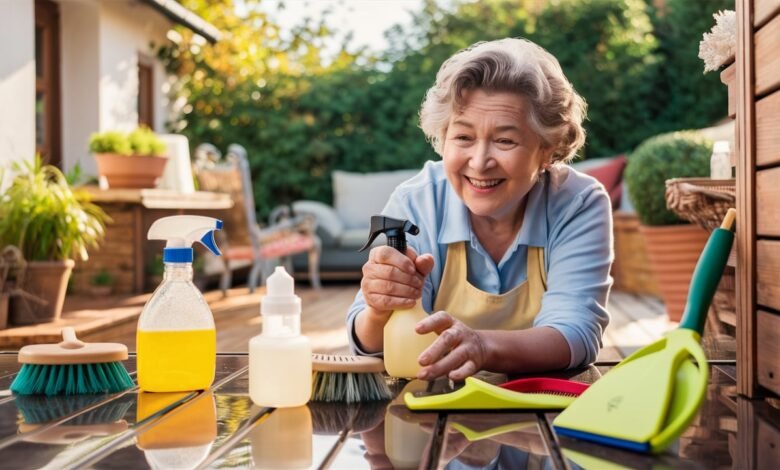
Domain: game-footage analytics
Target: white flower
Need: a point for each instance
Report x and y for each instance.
(720, 44)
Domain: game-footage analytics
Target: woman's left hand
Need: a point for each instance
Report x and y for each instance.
(458, 352)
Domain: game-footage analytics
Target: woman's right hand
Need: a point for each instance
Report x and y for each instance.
(392, 280)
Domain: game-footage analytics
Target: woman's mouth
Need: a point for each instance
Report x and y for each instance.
(483, 185)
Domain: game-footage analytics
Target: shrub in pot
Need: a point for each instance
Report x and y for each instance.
(134, 160)
(51, 225)
(673, 245)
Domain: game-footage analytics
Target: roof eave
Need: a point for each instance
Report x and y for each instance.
(179, 14)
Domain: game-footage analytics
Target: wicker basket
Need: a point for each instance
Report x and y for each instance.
(702, 201)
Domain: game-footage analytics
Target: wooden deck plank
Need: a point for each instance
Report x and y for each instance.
(634, 323)
(636, 320)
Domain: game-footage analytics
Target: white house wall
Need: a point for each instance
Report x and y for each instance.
(80, 75)
(17, 82)
(104, 94)
(100, 41)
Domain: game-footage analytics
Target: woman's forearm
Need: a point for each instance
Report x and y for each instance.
(532, 350)
(369, 330)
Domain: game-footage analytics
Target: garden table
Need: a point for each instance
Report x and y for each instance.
(221, 428)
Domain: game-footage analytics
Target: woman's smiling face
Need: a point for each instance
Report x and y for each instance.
(492, 157)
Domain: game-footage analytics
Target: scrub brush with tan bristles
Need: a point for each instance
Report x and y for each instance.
(348, 379)
(71, 367)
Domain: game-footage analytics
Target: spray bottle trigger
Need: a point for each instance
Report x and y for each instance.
(208, 241)
(394, 229)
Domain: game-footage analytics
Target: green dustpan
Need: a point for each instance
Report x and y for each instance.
(650, 398)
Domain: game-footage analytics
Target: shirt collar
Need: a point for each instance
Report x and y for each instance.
(456, 226)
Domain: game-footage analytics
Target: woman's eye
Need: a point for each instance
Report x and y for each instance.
(505, 141)
(462, 137)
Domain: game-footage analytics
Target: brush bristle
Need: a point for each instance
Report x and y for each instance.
(71, 379)
(333, 418)
(349, 387)
(38, 409)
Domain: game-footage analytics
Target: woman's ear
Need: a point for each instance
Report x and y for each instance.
(547, 162)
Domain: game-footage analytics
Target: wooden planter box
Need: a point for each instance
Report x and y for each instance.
(631, 269)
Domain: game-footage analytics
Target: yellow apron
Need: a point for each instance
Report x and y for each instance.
(480, 310)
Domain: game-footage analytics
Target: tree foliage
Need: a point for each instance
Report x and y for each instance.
(300, 115)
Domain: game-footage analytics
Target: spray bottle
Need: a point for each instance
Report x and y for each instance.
(402, 345)
(280, 357)
(176, 339)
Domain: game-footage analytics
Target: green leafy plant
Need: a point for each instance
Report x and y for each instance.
(102, 278)
(141, 141)
(110, 142)
(47, 220)
(657, 159)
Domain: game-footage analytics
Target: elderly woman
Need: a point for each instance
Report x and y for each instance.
(515, 247)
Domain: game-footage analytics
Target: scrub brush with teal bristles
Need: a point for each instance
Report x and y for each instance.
(71, 367)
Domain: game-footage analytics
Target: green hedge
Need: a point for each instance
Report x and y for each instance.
(635, 65)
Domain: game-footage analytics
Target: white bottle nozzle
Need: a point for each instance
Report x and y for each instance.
(181, 231)
(280, 298)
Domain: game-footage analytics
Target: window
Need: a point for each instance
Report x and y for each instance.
(145, 92)
(47, 82)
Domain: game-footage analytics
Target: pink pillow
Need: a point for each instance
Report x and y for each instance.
(610, 175)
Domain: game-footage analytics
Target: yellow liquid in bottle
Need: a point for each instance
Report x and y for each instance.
(176, 361)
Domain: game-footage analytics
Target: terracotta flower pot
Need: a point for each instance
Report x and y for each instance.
(47, 280)
(673, 251)
(136, 171)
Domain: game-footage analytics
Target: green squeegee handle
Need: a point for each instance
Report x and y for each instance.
(705, 279)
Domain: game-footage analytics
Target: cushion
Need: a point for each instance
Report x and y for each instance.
(327, 218)
(358, 196)
(288, 245)
(610, 174)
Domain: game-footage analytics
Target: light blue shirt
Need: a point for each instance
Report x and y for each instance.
(568, 214)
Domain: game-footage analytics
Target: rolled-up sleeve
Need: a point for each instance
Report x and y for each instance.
(579, 258)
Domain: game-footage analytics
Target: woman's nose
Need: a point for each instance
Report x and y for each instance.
(481, 158)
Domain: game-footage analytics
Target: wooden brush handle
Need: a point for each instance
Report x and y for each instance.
(728, 221)
(346, 363)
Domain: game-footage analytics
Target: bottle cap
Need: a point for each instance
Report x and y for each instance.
(721, 146)
(280, 298)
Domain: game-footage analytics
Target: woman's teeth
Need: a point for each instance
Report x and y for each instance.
(483, 183)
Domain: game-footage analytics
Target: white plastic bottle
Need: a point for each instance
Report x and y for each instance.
(720, 161)
(280, 358)
(176, 338)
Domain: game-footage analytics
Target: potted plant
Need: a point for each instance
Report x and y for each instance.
(673, 245)
(101, 283)
(51, 225)
(134, 160)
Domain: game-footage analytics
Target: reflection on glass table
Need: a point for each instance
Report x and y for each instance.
(38, 410)
(183, 439)
(283, 439)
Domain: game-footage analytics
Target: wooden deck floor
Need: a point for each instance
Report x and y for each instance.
(635, 321)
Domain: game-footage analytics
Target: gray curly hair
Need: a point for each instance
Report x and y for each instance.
(555, 111)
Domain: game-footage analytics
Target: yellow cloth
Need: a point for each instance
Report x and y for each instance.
(480, 310)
